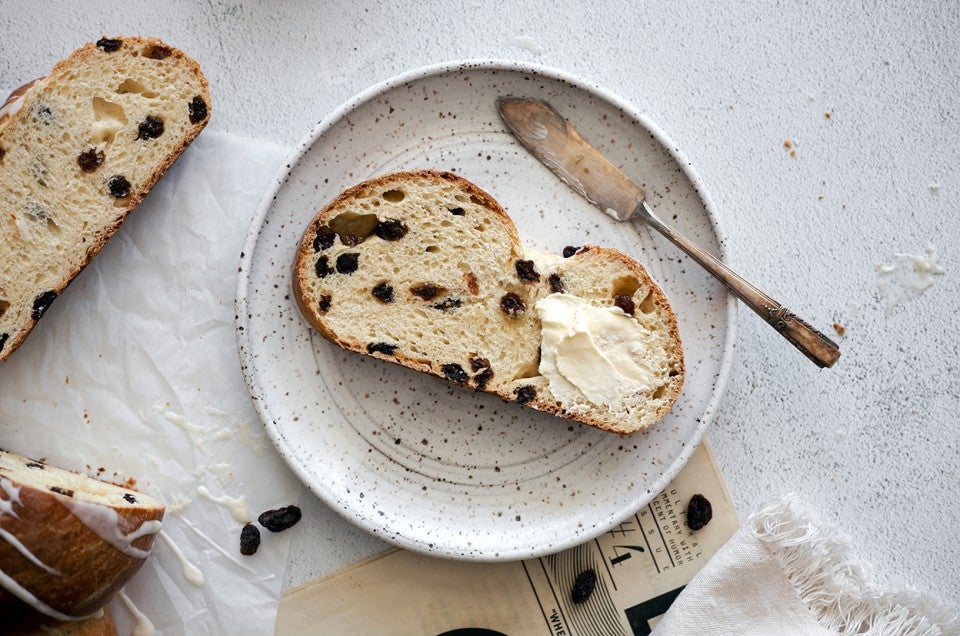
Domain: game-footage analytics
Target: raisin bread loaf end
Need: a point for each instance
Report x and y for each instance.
(426, 270)
(79, 149)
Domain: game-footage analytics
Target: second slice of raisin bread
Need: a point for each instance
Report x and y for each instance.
(426, 270)
(79, 149)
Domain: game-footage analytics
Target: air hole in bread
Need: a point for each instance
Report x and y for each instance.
(480, 228)
(394, 196)
(108, 119)
(530, 370)
(625, 285)
(433, 249)
(131, 85)
(475, 199)
(648, 306)
(353, 228)
(3, 307)
(53, 228)
(659, 392)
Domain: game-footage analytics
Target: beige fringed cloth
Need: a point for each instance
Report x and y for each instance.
(785, 572)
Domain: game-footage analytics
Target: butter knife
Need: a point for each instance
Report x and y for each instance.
(552, 140)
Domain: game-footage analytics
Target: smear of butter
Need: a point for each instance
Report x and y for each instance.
(907, 276)
(594, 353)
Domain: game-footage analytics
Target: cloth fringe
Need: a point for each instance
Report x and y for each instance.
(818, 560)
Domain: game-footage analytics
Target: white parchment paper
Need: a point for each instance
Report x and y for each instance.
(133, 373)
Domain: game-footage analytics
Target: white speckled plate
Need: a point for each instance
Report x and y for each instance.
(409, 457)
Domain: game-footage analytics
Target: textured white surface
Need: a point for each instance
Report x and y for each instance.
(872, 444)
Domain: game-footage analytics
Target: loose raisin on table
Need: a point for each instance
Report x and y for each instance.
(107, 45)
(556, 284)
(119, 186)
(525, 393)
(569, 251)
(42, 302)
(383, 292)
(512, 305)
(699, 512)
(150, 128)
(625, 302)
(197, 109)
(455, 373)
(280, 519)
(90, 160)
(249, 539)
(381, 347)
(583, 586)
(324, 238)
(526, 272)
(322, 268)
(391, 230)
(324, 303)
(348, 263)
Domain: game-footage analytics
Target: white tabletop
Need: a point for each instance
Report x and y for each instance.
(872, 444)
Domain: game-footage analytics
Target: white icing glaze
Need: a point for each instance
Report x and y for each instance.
(190, 571)
(22, 549)
(105, 522)
(24, 595)
(11, 107)
(143, 627)
(197, 433)
(236, 505)
(13, 496)
(216, 546)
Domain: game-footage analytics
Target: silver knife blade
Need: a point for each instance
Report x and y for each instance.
(546, 134)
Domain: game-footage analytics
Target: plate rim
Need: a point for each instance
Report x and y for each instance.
(244, 338)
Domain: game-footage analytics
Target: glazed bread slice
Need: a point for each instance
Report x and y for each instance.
(68, 542)
(78, 150)
(426, 270)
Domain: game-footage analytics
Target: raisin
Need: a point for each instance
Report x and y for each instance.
(391, 230)
(249, 539)
(556, 285)
(324, 304)
(280, 519)
(480, 380)
(473, 285)
(61, 491)
(159, 52)
(119, 186)
(526, 272)
(347, 263)
(90, 160)
(130, 498)
(383, 292)
(322, 267)
(624, 302)
(525, 394)
(479, 363)
(108, 45)
(35, 465)
(351, 240)
(3, 340)
(150, 128)
(512, 305)
(324, 238)
(381, 347)
(699, 512)
(42, 302)
(427, 291)
(457, 211)
(569, 251)
(197, 108)
(583, 586)
(455, 373)
(449, 303)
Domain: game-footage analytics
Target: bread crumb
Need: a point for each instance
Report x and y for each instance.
(840, 329)
(793, 153)
(729, 106)
(788, 144)
(820, 198)
(827, 115)
(934, 187)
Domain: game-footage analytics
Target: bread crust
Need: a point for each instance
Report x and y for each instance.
(35, 89)
(301, 271)
(88, 569)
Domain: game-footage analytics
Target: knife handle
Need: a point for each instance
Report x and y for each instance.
(816, 346)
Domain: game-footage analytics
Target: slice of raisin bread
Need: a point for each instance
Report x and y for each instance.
(426, 270)
(79, 149)
(68, 542)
